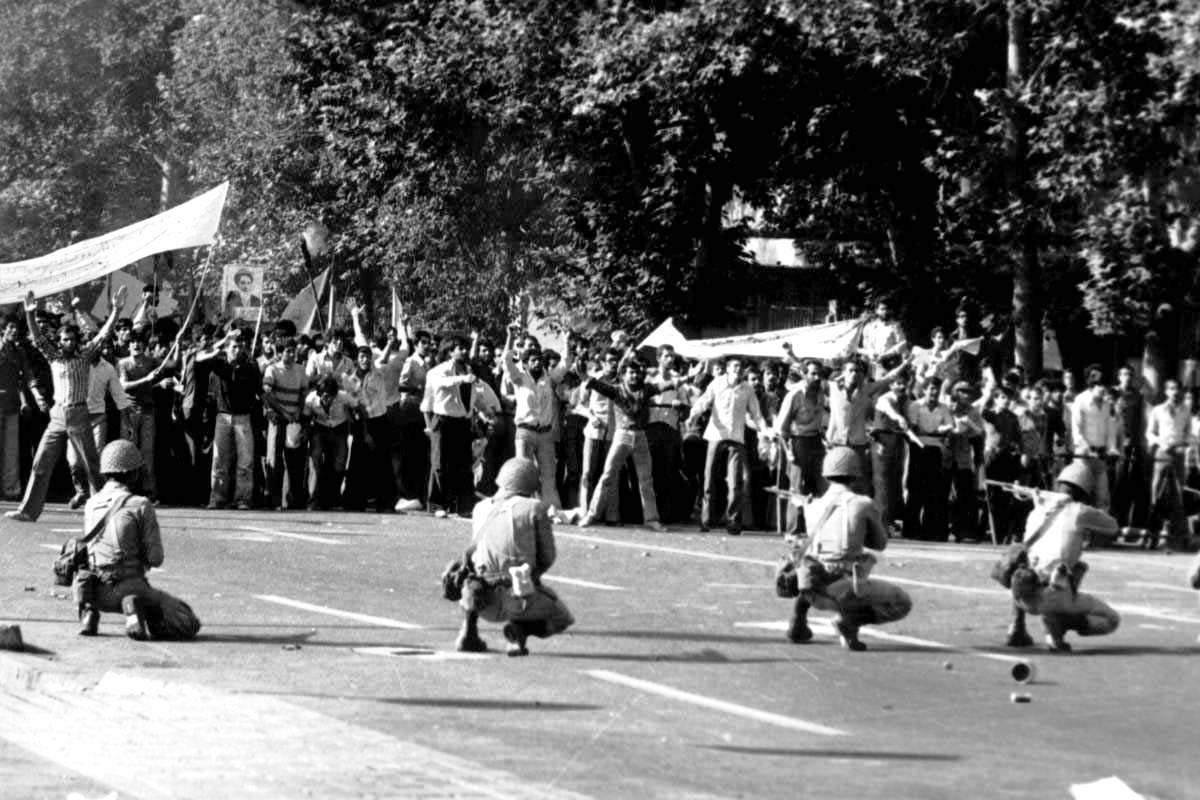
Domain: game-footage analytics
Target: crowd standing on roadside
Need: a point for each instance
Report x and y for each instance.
(406, 421)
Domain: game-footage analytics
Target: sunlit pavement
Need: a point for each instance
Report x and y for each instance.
(326, 668)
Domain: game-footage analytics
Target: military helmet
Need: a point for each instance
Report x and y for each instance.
(1078, 475)
(120, 456)
(841, 462)
(519, 476)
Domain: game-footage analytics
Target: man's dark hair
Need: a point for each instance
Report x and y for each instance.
(422, 336)
(937, 329)
(363, 349)
(328, 385)
(934, 381)
(123, 324)
(70, 328)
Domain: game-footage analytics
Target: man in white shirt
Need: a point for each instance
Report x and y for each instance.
(1167, 432)
(928, 505)
(535, 389)
(448, 406)
(1094, 427)
(731, 400)
(882, 339)
(102, 379)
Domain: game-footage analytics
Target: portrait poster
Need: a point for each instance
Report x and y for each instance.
(242, 290)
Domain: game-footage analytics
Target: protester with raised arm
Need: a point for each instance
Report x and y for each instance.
(70, 421)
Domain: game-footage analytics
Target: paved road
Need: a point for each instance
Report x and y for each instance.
(325, 669)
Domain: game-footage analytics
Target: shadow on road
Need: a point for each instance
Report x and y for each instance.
(702, 657)
(865, 755)
(681, 636)
(488, 705)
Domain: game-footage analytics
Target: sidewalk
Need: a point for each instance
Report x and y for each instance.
(154, 739)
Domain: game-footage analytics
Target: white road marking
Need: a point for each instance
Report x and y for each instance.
(1154, 613)
(246, 537)
(661, 549)
(717, 705)
(51, 546)
(1168, 587)
(825, 626)
(1153, 627)
(604, 587)
(65, 530)
(304, 537)
(382, 622)
(1124, 608)
(736, 585)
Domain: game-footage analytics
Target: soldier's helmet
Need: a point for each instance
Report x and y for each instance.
(841, 462)
(120, 456)
(1078, 475)
(519, 476)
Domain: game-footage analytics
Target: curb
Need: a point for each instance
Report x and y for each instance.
(33, 673)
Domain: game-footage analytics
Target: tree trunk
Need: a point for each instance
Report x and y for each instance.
(1027, 314)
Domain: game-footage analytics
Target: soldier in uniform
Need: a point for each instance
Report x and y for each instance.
(1045, 570)
(512, 530)
(127, 545)
(834, 568)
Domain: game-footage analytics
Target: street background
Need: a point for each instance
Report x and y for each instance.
(326, 668)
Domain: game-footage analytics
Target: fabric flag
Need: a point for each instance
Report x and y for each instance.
(190, 224)
(302, 310)
(827, 342)
(1051, 355)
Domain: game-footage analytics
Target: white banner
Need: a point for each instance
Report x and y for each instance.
(190, 224)
(827, 342)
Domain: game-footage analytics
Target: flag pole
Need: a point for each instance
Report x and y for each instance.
(312, 284)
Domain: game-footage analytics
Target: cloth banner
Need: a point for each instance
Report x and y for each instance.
(302, 310)
(190, 224)
(167, 304)
(827, 342)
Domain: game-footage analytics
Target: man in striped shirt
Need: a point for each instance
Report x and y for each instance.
(70, 421)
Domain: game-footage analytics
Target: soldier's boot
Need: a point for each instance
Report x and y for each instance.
(135, 618)
(469, 640)
(89, 620)
(1056, 628)
(1018, 636)
(847, 625)
(516, 634)
(798, 631)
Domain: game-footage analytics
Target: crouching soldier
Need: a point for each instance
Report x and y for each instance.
(1044, 571)
(833, 569)
(126, 544)
(512, 546)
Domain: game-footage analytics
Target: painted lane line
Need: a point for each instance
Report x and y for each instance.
(65, 530)
(1154, 613)
(662, 549)
(304, 537)
(825, 626)
(1124, 608)
(1168, 587)
(745, 712)
(735, 585)
(51, 546)
(382, 622)
(604, 587)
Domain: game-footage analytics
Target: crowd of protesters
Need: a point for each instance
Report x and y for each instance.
(406, 421)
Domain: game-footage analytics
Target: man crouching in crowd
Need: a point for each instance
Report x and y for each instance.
(1045, 570)
(127, 545)
(512, 546)
(833, 571)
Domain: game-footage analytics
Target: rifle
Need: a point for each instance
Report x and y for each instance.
(797, 498)
(1027, 492)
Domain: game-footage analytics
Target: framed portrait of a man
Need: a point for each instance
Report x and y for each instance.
(242, 288)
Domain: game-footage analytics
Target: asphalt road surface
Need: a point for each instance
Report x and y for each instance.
(325, 668)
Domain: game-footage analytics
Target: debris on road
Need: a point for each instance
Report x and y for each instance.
(10, 638)
(291, 647)
(1019, 697)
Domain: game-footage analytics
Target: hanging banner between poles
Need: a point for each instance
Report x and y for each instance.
(190, 224)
